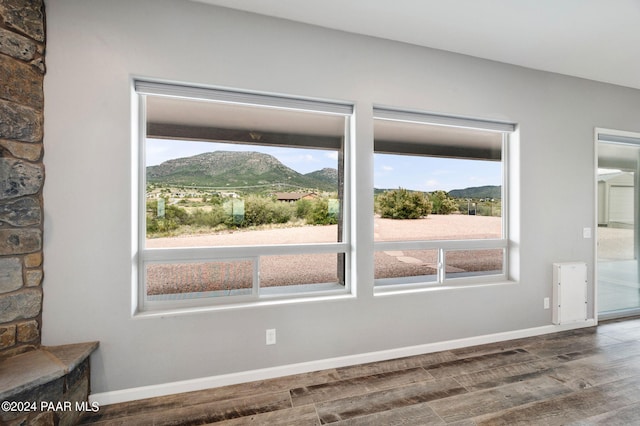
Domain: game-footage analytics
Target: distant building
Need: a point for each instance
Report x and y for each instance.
(290, 197)
(229, 194)
(616, 200)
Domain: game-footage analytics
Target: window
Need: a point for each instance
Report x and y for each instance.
(242, 196)
(440, 207)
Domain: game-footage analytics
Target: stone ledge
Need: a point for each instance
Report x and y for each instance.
(29, 370)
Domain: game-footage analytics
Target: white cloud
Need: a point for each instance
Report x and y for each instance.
(442, 172)
(332, 155)
(297, 159)
(387, 168)
(307, 158)
(155, 149)
(478, 180)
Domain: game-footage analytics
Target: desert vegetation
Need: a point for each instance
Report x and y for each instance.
(183, 211)
(406, 204)
(212, 213)
(403, 204)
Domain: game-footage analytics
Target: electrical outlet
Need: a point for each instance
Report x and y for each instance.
(271, 336)
(546, 303)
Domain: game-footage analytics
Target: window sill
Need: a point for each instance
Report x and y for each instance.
(273, 299)
(399, 289)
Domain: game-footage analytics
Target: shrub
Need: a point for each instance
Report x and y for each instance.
(210, 219)
(256, 211)
(319, 213)
(282, 212)
(216, 199)
(441, 203)
(303, 208)
(179, 215)
(160, 225)
(174, 216)
(263, 211)
(402, 204)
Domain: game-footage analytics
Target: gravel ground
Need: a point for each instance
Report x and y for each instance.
(320, 268)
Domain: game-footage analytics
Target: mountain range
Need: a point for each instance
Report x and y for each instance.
(250, 171)
(487, 191)
(256, 172)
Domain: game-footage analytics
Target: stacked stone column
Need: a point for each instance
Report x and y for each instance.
(22, 69)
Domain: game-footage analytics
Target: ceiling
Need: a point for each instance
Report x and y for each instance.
(593, 39)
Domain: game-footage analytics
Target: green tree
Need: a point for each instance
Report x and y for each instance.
(257, 211)
(173, 218)
(263, 211)
(303, 208)
(216, 199)
(319, 213)
(402, 204)
(442, 203)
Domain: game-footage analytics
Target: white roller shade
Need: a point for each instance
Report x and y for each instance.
(239, 97)
(386, 113)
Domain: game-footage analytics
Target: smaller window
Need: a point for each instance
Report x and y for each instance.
(440, 198)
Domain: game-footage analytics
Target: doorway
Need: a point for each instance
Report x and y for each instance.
(618, 181)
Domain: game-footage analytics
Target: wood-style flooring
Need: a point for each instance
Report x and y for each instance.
(581, 377)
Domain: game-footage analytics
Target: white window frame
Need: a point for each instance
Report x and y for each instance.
(141, 88)
(410, 283)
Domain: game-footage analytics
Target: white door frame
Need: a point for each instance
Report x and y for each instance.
(621, 135)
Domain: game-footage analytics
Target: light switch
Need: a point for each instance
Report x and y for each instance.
(586, 232)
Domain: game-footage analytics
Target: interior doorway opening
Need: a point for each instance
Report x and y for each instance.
(618, 212)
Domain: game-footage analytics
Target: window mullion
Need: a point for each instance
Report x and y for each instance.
(441, 266)
(255, 292)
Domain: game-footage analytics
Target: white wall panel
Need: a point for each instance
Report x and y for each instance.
(569, 292)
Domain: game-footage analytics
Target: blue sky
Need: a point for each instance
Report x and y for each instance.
(390, 171)
(430, 174)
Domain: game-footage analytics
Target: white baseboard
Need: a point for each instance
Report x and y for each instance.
(125, 395)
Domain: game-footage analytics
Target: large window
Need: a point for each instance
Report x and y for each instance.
(242, 196)
(440, 199)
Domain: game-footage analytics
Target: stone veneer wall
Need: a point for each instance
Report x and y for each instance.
(22, 69)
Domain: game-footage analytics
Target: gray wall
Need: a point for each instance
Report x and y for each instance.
(95, 47)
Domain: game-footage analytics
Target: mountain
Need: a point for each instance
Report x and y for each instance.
(327, 175)
(250, 171)
(476, 192)
(488, 191)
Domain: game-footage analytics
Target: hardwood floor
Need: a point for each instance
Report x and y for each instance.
(580, 377)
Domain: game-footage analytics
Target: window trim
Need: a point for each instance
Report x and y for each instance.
(412, 283)
(142, 255)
